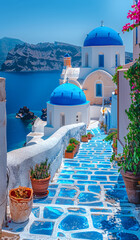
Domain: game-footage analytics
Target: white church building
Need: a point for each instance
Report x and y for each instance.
(102, 52)
(67, 105)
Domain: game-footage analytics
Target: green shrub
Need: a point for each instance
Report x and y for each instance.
(70, 148)
(109, 138)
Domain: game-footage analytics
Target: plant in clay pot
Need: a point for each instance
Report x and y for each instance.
(112, 135)
(70, 151)
(21, 201)
(130, 167)
(84, 138)
(40, 177)
(89, 134)
(75, 142)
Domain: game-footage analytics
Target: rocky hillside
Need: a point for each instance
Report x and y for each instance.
(40, 57)
(44, 57)
(6, 44)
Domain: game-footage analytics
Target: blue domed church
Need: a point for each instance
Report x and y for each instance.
(102, 52)
(67, 105)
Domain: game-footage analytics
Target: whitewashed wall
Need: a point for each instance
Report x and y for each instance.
(124, 102)
(109, 56)
(21, 160)
(3, 151)
(70, 113)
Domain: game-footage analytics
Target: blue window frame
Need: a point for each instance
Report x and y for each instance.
(101, 60)
(98, 90)
(116, 60)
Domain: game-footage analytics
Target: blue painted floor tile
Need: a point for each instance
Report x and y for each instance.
(42, 228)
(52, 212)
(67, 192)
(88, 235)
(73, 222)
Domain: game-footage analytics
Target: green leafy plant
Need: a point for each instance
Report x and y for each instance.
(73, 140)
(40, 171)
(84, 135)
(109, 138)
(114, 79)
(131, 150)
(70, 148)
(115, 144)
(89, 133)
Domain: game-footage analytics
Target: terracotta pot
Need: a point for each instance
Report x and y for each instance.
(89, 136)
(69, 154)
(20, 208)
(75, 150)
(116, 91)
(40, 186)
(132, 186)
(84, 139)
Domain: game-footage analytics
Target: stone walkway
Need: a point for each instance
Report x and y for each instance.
(87, 200)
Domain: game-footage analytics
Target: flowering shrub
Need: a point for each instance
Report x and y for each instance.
(133, 15)
(131, 150)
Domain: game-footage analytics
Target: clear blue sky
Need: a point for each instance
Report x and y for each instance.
(67, 21)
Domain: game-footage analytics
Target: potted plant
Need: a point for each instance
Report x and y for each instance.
(75, 142)
(101, 124)
(84, 138)
(89, 134)
(70, 151)
(130, 167)
(21, 201)
(112, 135)
(40, 177)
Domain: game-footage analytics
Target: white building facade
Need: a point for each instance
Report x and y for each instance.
(102, 52)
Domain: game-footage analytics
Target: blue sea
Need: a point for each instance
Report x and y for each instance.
(26, 89)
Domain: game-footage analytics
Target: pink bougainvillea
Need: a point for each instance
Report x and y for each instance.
(134, 16)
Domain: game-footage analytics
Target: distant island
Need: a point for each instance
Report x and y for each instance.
(17, 56)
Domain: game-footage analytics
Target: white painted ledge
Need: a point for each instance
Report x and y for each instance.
(21, 160)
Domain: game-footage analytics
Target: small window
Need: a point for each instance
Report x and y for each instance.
(117, 60)
(101, 60)
(98, 90)
(62, 119)
(50, 115)
(86, 60)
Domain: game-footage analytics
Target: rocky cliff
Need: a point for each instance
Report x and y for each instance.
(6, 44)
(40, 57)
(43, 57)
